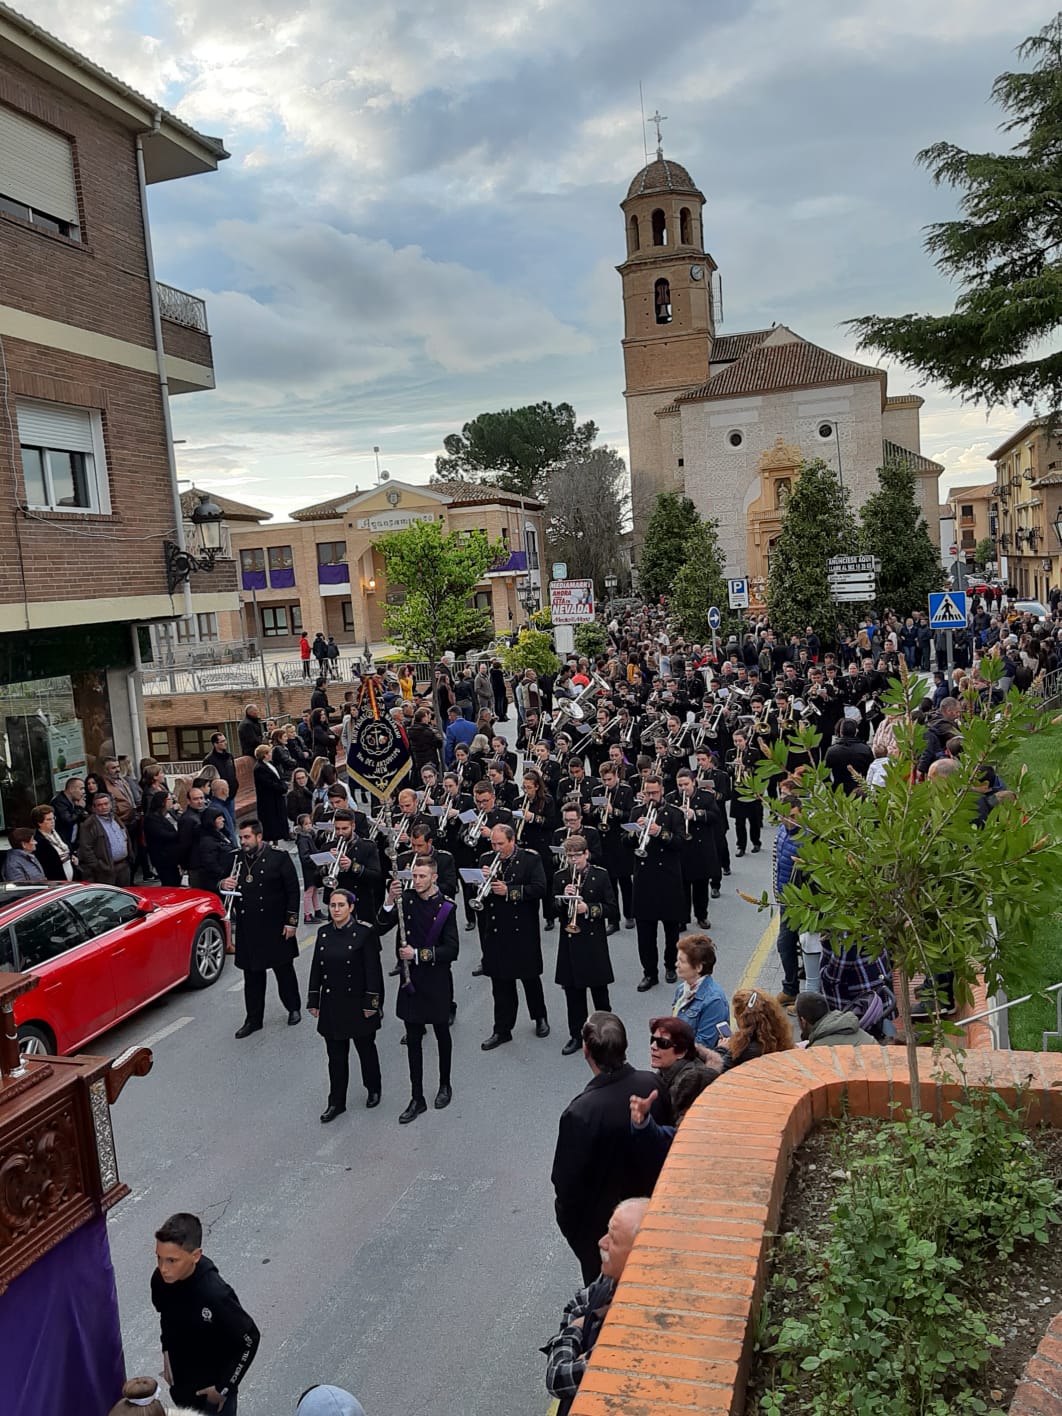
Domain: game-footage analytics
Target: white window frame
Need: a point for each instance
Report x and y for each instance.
(92, 447)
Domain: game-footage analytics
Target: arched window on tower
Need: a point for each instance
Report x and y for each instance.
(662, 300)
(685, 227)
(635, 242)
(659, 228)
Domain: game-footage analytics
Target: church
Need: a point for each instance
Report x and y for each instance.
(727, 418)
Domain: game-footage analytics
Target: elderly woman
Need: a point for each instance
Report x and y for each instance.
(672, 1051)
(53, 854)
(22, 866)
(270, 795)
(699, 999)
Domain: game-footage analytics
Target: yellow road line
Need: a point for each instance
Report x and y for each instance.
(755, 965)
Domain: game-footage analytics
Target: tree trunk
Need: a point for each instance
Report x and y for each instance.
(910, 1041)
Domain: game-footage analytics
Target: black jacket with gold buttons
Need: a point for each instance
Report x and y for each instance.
(346, 980)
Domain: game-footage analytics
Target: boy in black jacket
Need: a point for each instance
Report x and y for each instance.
(208, 1341)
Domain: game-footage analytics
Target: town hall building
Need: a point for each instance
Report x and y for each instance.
(726, 418)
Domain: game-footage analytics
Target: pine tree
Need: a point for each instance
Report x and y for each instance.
(663, 549)
(700, 584)
(818, 524)
(1005, 252)
(895, 531)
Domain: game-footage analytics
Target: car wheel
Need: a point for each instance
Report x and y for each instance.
(34, 1040)
(208, 954)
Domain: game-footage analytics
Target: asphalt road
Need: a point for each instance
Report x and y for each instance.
(417, 1266)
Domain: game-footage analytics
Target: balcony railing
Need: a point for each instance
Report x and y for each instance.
(182, 308)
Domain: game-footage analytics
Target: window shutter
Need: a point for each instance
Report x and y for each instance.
(54, 425)
(37, 167)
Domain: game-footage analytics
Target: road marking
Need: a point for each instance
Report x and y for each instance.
(173, 1027)
(753, 969)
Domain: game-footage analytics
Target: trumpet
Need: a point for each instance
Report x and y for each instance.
(333, 872)
(479, 900)
(606, 810)
(572, 926)
(381, 821)
(641, 850)
(523, 809)
(474, 828)
(234, 893)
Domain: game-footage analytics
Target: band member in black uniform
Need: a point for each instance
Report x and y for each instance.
(587, 908)
(531, 730)
(616, 858)
(563, 755)
(548, 766)
(617, 761)
(471, 770)
(506, 792)
(700, 863)
(338, 800)
(500, 751)
(714, 781)
(572, 817)
(266, 911)
(346, 996)
(425, 847)
(667, 762)
(513, 884)
(659, 895)
(430, 783)
(429, 953)
(452, 836)
(600, 738)
(409, 815)
(476, 836)
(747, 816)
(534, 831)
(577, 785)
(356, 870)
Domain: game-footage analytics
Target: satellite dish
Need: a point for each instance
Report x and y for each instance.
(385, 476)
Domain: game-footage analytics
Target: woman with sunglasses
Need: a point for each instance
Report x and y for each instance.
(672, 1051)
(760, 1028)
(699, 999)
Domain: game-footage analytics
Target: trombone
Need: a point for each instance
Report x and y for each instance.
(479, 900)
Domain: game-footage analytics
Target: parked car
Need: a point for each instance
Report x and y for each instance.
(1029, 607)
(101, 953)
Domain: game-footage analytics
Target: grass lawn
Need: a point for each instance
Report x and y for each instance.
(1041, 964)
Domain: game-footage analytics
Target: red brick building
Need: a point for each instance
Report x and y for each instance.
(91, 350)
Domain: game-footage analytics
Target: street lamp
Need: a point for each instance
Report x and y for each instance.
(1057, 524)
(611, 582)
(206, 531)
(525, 592)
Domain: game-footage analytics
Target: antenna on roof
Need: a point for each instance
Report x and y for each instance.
(641, 102)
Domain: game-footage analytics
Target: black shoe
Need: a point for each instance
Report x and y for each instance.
(443, 1097)
(542, 1027)
(416, 1107)
(726, 870)
(324, 915)
(373, 1099)
(715, 892)
(629, 924)
(453, 1013)
(574, 1044)
(248, 1029)
(495, 1040)
(647, 983)
(403, 1041)
(756, 850)
(294, 1017)
(549, 924)
(331, 1112)
(739, 854)
(704, 924)
(470, 924)
(670, 976)
(479, 971)
(612, 929)
(394, 972)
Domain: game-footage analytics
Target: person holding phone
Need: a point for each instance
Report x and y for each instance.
(699, 999)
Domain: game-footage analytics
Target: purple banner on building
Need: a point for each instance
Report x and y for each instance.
(516, 562)
(254, 579)
(333, 574)
(282, 579)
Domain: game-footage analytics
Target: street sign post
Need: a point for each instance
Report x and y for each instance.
(853, 579)
(947, 611)
(715, 619)
(738, 594)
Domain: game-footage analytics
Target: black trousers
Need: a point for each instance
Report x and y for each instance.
(647, 953)
(254, 991)
(506, 1002)
(722, 850)
(501, 707)
(339, 1066)
(577, 1009)
(623, 885)
(696, 899)
(748, 823)
(415, 1047)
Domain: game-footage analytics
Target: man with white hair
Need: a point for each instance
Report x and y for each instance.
(568, 1351)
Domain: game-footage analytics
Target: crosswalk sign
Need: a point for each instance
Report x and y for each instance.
(947, 609)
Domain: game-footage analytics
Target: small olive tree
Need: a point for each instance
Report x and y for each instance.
(904, 868)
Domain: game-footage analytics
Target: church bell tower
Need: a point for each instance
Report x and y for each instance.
(668, 320)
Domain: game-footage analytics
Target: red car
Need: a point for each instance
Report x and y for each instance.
(102, 952)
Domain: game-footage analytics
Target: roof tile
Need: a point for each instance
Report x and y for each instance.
(768, 368)
(893, 452)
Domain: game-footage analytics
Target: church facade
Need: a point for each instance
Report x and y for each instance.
(727, 418)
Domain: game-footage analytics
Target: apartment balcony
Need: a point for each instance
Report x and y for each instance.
(186, 340)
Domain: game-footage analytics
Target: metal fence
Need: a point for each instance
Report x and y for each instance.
(254, 676)
(182, 308)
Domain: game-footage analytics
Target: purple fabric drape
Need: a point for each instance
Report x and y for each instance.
(253, 579)
(60, 1339)
(333, 574)
(517, 560)
(282, 579)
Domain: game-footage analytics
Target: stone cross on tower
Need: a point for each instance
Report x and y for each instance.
(658, 118)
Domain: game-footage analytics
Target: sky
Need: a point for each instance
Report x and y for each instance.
(420, 218)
